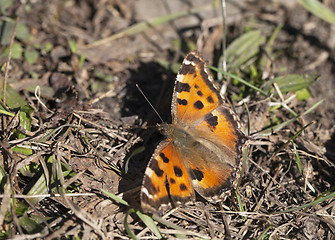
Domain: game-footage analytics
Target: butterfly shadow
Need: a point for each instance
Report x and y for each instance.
(330, 154)
(156, 83)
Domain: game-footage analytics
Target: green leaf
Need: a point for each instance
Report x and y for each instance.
(3, 111)
(40, 186)
(25, 151)
(4, 5)
(319, 10)
(30, 225)
(47, 47)
(25, 118)
(82, 60)
(102, 75)
(22, 32)
(239, 80)
(7, 28)
(5, 234)
(25, 121)
(31, 56)
(303, 94)
(73, 46)
(243, 48)
(149, 222)
(16, 51)
(269, 131)
(292, 82)
(13, 99)
(97, 87)
(20, 207)
(45, 90)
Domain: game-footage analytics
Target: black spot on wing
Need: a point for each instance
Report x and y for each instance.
(182, 87)
(200, 93)
(155, 167)
(177, 171)
(212, 120)
(197, 174)
(210, 99)
(196, 86)
(198, 105)
(182, 187)
(182, 101)
(165, 159)
(172, 181)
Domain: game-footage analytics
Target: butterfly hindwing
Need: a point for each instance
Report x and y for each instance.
(221, 127)
(166, 180)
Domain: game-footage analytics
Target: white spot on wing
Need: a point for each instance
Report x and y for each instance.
(148, 172)
(146, 192)
(187, 62)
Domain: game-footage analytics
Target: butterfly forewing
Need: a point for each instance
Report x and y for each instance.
(195, 95)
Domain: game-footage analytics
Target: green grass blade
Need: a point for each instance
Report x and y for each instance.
(297, 159)
(126, 225)
(6, 113)
(271, 130)
(319, 10)
(115, 198)
(317, 201)
(291, 82)
(312, 108)
(239, 79)
(41, 186)
(134, 153)
(240, 204)
(149, 222)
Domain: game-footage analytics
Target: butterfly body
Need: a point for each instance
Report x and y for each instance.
(203, 146)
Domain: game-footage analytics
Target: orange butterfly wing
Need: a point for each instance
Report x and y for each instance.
(198, 107)
(204, 142)
(165, 169)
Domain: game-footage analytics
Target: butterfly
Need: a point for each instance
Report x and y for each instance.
(203, 145)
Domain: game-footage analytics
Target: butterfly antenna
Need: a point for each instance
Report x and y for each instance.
(139, 89)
